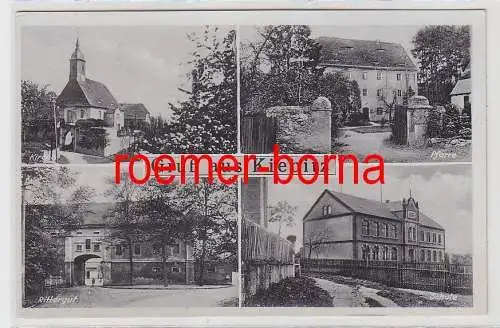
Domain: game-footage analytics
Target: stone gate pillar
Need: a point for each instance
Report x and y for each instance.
(320, 138)
(417, 114)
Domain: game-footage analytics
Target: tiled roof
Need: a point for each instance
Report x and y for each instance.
(87, 93)
(98, 94)
(463, 87)
(93, 213)
(135, 111)
(365, 206)
(350, 52)
(385, 210)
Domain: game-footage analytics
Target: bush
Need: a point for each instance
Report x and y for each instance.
(357, 119)
(90, 123)
(292, 292)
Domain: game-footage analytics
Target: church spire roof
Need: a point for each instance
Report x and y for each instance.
(77, 54)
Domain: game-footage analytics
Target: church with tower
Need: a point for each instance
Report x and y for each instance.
(83, 98)
(342, 226)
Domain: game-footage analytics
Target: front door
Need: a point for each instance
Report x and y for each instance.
(366, 112)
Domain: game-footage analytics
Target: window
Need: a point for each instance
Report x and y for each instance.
(82, 113)
(411, 255)
(365, 75)
(421, 234)
(428, 237)
(410, 235)
(439, 239)
(385, 230)
(398, 76)
(440, 256)
(348, 75)
(155, 269)
(422, 255)
(365, 92)
(428, 256)
(377, 229)
(399, 93)
(415, 234)
(379, 75)
(385, 253)
(137, 249)
(118, 250)
(156, 249)
(79, 232)
(97, 247)
(394, 254)
(395, 231)
(434, 256)
(365, 252)
(79, 248)
(87, 243)
(466, 100)
(434, 238)
(96, 232)
(365, 227)
(176, 249)
(375, 253)
(175, 269)
(379, 92)
(380, 111)
(88, 274)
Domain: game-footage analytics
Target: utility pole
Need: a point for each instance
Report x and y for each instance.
(55, 124)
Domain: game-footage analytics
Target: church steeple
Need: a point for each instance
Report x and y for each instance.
(77, 64)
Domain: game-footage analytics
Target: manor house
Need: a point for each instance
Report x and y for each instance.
(93, 254)
(341, 226)
(383, 70)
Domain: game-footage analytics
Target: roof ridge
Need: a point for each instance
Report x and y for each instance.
(363, 40)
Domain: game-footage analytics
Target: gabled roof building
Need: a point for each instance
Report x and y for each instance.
(84, 98)
(384, 71)
(342, 226)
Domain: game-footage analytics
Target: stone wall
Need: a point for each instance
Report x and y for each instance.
(303, 129)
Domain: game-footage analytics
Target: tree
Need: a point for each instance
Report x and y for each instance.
(206, 122)
(466, 122)
(215, 230)
(52, 205)
(165, 223)
(314, 241)
(281, 68)
(282, 213)
(433, 123)
(442, 51)
(451, 121)
(37, 118)
(125, 217)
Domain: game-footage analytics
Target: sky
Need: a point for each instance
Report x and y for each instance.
(443, 192)
(139, 64)
(146, 64)
(397, 34)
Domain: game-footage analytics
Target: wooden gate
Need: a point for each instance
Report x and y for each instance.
(399, 125)
(258, 134)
